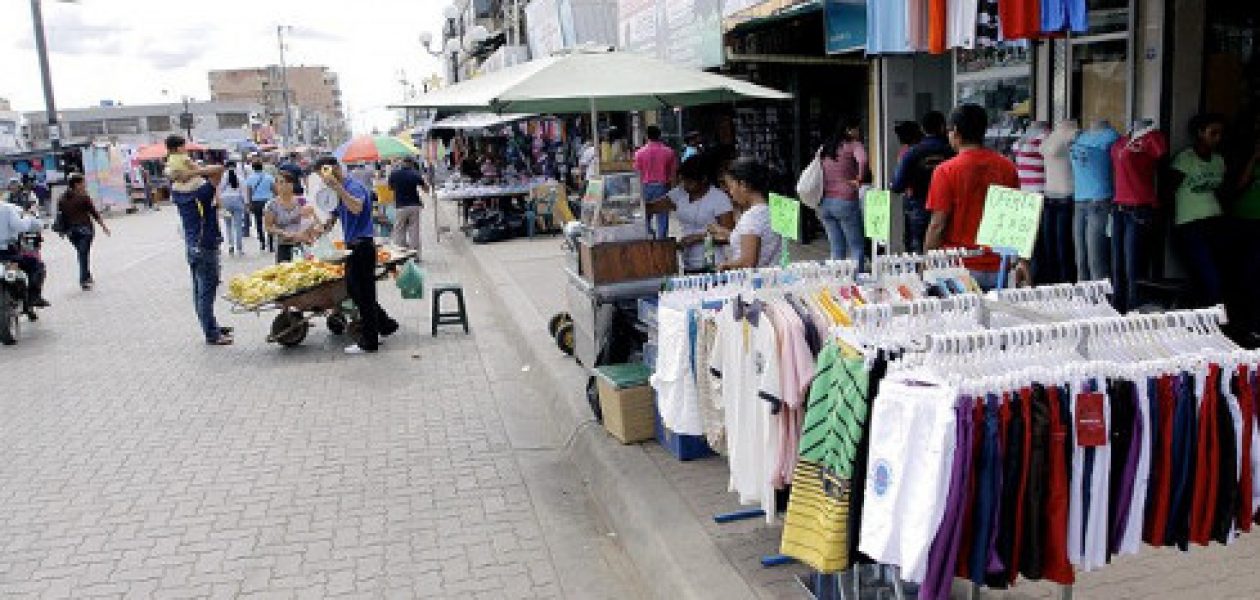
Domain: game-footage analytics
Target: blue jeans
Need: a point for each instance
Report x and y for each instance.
(918, 217)
(203, 263)
(843, 221)
(1055, 262)
(235, 223)
(658, 224)
(1199, 243)
(1089, 235)
(81, 237)
(1130, 235)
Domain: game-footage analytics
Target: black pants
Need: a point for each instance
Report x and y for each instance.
(361, 285)
(284, 252)
(33, 267)
(266, 241)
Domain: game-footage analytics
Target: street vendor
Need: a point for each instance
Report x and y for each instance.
(292, 223)
(354, 210)
(752, 242)
(697, 204)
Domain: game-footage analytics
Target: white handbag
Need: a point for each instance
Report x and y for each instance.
(809, 187)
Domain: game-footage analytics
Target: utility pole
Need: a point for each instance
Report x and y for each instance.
(54, 129)
(284, 92)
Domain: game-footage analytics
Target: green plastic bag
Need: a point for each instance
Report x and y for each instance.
(411, 281)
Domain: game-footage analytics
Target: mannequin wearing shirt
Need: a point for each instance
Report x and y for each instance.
(1049, 257)
(1195, 177)
(1135, 158)
(1059, 188)
(1095, 187)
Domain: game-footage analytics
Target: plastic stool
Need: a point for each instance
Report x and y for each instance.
(459, 317)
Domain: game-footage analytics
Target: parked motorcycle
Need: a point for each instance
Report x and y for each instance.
(14, 284)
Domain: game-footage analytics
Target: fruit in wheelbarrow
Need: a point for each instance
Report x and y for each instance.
(274, 281)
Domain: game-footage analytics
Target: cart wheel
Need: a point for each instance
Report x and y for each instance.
(592, 398)
(565, 338)
(557, 320)
(336, 323)
(288, 329)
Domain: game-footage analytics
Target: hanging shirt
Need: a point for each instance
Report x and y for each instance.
(1057, 157)
(695, 217)
(1135, 162)
(962, 16)
(988, 28)
(937, 26)
(1091, 164)
(1030, 163)
(959, 186)
(1196, 196)
(1064, 15)
(916, 24)
(886, 24)
(1021, 19)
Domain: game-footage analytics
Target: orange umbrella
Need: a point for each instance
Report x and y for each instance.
(158, 151)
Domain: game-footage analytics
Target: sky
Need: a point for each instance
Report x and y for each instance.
(153, 51)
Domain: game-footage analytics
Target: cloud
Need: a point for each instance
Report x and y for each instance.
(315, 35)
(172, 58)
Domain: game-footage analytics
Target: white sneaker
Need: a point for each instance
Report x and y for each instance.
(355, 349)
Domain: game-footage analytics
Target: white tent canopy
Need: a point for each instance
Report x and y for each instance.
(584, 79)
(478, 120)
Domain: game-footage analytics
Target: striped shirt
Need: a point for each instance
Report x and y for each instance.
(1030, 163)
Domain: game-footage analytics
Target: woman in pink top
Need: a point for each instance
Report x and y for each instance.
(843, 165)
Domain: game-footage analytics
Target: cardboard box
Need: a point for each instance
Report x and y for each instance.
(629, 413)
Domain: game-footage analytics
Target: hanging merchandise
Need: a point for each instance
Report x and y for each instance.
(1064, 15)
(963, 21)
(887, 27)
(1135, 158)
(1020, 19)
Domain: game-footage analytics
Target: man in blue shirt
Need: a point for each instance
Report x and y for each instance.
(260, 188)
(202, 238)
(914, 176)
(354, 210)
(406, 182)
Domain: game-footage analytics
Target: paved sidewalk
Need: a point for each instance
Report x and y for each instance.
(139, 462)
(529, 271)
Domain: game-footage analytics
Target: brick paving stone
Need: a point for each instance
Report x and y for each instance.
(143, 463)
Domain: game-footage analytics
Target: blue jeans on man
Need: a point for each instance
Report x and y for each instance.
(81, 237)
(657, 224)
(1089, 235)
(842, 219)
(1130, 232)
(918, 217)
(203, 263)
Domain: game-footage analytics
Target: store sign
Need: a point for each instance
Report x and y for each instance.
(845, 21)
(785, 216)
(1011, 220)
(877, 215)
(684, 32)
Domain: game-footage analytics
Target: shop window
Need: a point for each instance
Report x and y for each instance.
(998, 78)
(87, 128)
(1100, 80)
(233, 120)
(157, 124)
(122, 126)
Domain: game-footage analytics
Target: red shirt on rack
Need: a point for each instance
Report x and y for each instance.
(1135, 162)
(1021, 19)
(959, 186)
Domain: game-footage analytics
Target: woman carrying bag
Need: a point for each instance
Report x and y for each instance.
(844, 161)
(76, 215)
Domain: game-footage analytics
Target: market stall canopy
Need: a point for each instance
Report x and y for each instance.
(478, 120)
(578, 80)
(369, 148)
(158, 151)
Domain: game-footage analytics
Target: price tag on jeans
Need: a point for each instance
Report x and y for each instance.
(1091, 423)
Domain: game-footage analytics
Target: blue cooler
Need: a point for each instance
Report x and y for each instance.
(683, 447)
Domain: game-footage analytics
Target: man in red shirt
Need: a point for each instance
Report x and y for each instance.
(959, 185)
(656, 165)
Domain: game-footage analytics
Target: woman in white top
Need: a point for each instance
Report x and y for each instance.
(232, 200)
(752, 242)
(697, 204)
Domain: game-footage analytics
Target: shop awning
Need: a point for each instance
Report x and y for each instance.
(478, 120)
(792, 12)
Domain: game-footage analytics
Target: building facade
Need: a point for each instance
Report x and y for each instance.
(217, 124)
(314, 96)
(11, 140)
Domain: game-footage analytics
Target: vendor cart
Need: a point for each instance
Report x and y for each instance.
(329, 300)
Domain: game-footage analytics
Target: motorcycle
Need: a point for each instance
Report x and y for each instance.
(14, 284)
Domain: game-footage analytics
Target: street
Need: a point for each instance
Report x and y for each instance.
(140, 462)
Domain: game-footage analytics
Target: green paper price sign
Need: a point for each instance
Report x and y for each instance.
(785, 216)
(877, 215)
(1011, 220)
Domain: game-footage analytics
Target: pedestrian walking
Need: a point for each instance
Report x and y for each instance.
(657, 166)
(78, 214)
(407, 185)
(844, 163)
(232, 201)
(202, 239)
(260, 187)
(354, 211)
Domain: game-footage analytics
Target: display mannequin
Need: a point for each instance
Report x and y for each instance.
(1056, 234)
(1094, 188)
(1135, 159)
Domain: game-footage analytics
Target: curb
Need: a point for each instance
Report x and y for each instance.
(675, 556)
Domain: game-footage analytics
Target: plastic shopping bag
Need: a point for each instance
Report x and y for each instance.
(809, 187)
(411, 281)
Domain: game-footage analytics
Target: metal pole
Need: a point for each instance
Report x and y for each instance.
(41, 47)
(284, 91)
(595, 135)
(187, 118)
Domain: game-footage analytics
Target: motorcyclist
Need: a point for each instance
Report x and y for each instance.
(18, 194)
(15, 221)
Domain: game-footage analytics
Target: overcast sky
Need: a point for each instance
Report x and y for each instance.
(132, 50)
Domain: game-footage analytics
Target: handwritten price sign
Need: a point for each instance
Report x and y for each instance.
(785, 216)
(877, 215)
(1011, 220)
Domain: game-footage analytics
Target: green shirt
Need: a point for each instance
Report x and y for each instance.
(1248, 206)
(836, 412)
(1196, 196)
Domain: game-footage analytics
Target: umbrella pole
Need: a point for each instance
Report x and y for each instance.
(595, 135)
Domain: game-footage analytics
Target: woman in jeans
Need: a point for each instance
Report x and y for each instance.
(285, 218)
(843, 164)
(78, 213)
(232, 199)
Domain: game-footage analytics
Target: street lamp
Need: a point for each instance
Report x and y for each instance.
(41, 47)
(458, 39)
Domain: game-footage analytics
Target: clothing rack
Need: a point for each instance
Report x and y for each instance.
(900, 264)
(765, 276)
